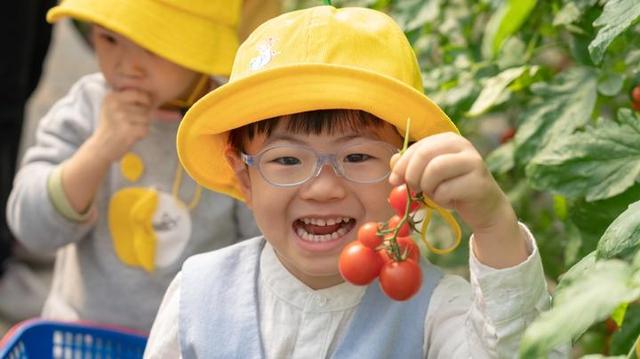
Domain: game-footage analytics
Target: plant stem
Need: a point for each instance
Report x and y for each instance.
(633, 347)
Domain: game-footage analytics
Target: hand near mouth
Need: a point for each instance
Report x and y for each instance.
(124, 120)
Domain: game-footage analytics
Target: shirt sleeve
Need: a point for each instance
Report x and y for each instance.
(487, 317)
(31, 213)
(164, 340)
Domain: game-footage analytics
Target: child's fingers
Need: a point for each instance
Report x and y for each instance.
(410, 166)
(443, 168)
(135, 97)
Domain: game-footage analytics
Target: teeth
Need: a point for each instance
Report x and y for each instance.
(320, 238)
(325, 222)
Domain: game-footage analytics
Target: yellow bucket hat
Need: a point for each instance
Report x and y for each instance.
(313, 59)
(198, 34)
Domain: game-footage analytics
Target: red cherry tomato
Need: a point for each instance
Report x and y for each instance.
(635, 105)
(359, 264)
(393, 223)
(398, 200)
(507, 135)
(635, 94)
(406, 244)
(368, 235)
(401, 280)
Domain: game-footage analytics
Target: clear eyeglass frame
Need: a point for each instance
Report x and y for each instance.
(322, 159)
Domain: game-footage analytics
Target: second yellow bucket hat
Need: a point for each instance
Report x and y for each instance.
(198, 34)
(312, 59)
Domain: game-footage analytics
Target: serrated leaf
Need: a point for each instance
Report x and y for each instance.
(589, 299)
(559, 108)
(596, 164)
(622, 238)
(494, 87)
(616, 17)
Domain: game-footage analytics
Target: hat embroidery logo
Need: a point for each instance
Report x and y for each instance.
(266, 54)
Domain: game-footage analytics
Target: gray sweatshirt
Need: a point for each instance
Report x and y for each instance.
(114, 267)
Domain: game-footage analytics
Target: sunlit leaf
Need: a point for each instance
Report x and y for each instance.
(623, 235)
(590, 298)
(616, 17)
(596, 164)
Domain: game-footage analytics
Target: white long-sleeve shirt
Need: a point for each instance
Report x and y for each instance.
(481, 319)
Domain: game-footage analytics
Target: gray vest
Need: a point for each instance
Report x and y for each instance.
(219, 311)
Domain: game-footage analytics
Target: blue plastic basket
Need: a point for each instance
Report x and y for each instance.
(44, 339)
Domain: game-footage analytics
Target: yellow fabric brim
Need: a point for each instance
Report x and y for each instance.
(183, 38)
(202, 136)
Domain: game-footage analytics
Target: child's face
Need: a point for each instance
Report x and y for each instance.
(126, 65)
(286, 215)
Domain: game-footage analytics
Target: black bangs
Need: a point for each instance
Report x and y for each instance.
(307, 123)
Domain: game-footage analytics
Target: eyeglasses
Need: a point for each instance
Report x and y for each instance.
(292, 165)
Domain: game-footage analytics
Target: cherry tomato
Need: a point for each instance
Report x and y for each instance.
(406, 244)
(368, 235)
(359, 264)
(507, 135)
(398, 200)
(401, 280)
(635, 106)
(635, 94)
(393, 223)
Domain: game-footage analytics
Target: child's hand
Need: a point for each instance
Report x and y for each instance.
(124, 120)
(448, 169)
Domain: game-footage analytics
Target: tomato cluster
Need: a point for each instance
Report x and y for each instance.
(386, 250)
(635, 98)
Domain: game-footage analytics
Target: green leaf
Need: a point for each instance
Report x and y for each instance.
(590, 298)
(616, 17)
(559, 108)
(494, 88)
(501, 159)
(567, 15)
(593, 218)
(597, 164)
(505, 21)
(622, 238)
(413, 14)
(610, 83)
(618, 314)
(625, 337)
(577, 271)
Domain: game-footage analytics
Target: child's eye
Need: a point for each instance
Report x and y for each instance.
(287, 161)
(107, 38)
(357, 157)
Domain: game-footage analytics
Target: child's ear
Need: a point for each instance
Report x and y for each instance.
(242, 173)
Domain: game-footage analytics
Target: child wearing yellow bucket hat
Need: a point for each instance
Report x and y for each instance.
(307, 133)
(103, 185)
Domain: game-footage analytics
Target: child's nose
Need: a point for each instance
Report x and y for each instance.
(326, 186)
(131, 60)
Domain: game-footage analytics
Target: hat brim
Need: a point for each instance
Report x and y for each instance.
(202, 136)
(176, 37)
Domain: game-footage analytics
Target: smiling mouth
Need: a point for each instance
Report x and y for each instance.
(323, 229)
